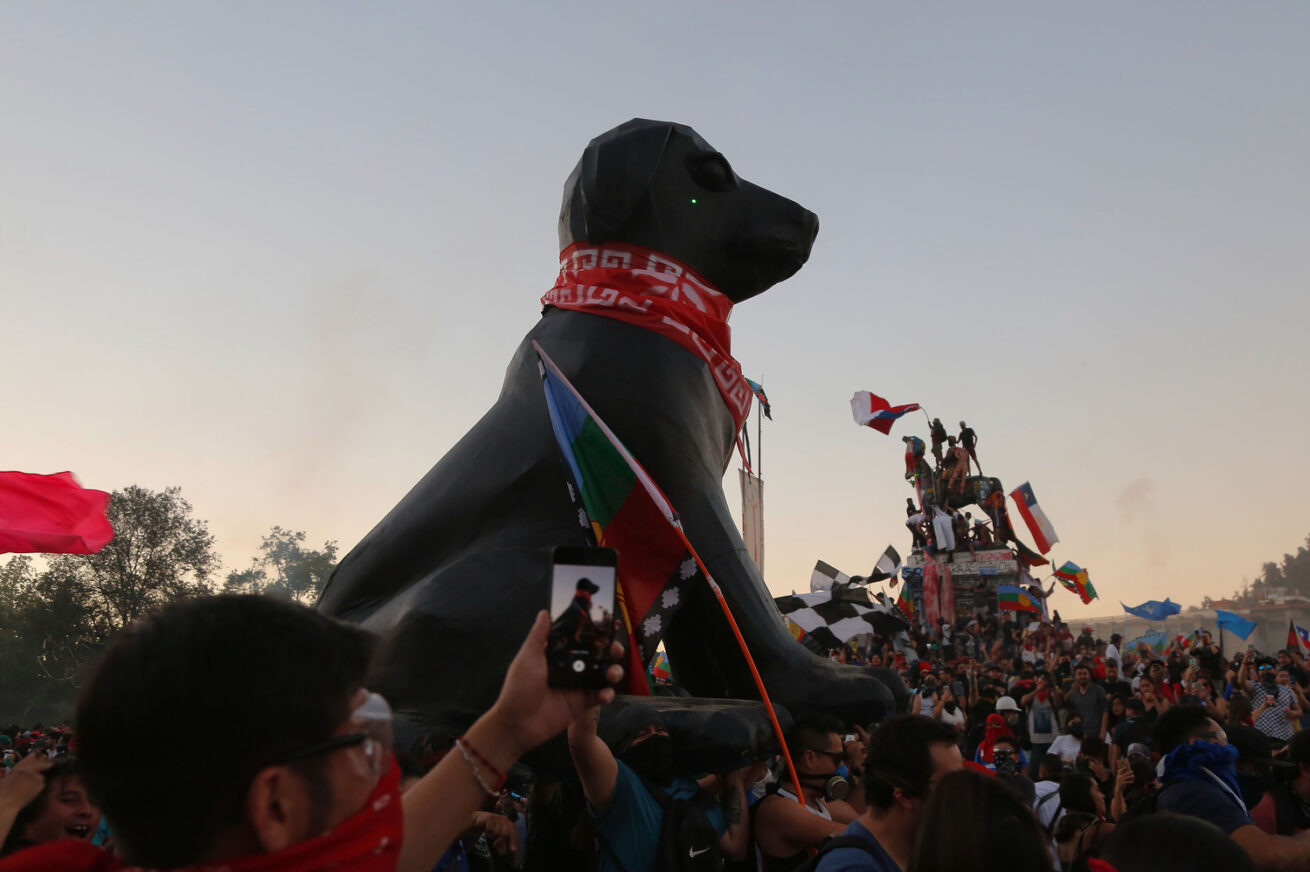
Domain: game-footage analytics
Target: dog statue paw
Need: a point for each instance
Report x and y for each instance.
(451, 578)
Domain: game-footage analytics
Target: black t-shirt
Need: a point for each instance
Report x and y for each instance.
(1118, 687)
(1209, 660)
(1130, 731)
(968, 438)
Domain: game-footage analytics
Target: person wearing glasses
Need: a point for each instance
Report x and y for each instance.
(274, 746)
(785, 829)
(1200, 780)
(1274, 705)
(907, 756)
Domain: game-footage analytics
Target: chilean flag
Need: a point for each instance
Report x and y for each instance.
(1034, 517)
(871, 410)
(1298, 637)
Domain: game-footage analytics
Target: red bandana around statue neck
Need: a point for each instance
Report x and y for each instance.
(367, 841)
(654, 291)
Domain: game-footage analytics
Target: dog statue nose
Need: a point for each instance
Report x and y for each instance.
(809, 226)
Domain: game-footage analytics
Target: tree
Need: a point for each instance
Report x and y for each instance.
(54, 621)
(285, 568)
(159, 554)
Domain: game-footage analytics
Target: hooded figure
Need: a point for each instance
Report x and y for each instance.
(639, 739)
(996, 727)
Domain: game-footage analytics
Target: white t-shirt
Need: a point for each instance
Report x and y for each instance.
(1066, 747)
(1044, 807)
(1112, 653)
(954, 720)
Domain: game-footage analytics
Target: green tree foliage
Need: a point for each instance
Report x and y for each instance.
(285, 568)
(1292, 575)
(53, 621)
(159, 554)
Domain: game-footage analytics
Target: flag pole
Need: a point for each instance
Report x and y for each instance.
(750, 661)
(759, 438)
(672, 518)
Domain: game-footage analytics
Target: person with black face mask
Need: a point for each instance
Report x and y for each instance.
(785, 830)
(618, 787)
(1274, 705)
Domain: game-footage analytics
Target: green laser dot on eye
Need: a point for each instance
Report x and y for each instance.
(693, 201)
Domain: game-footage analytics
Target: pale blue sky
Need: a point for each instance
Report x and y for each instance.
(279, 254)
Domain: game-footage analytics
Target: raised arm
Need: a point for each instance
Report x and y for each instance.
(597, 768)
(527, 713)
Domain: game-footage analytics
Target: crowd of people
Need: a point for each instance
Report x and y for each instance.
(1023, 748)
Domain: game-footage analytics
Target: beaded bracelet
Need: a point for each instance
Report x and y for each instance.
(470, 753)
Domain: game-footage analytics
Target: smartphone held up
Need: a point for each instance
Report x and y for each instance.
(581, 616)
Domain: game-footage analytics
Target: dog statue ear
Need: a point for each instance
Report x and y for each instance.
(626, 157)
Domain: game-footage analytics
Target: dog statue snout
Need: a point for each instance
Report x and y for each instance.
(646, 183)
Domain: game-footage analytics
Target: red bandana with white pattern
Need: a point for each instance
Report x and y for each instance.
(654, 291)
(367, 841)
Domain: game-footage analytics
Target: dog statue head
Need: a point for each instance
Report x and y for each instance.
(658, 185)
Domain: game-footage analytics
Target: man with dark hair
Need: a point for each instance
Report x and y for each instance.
(1200, 780)
(786, 830)
(1274, 705)
(1046, 790)
(279, 747)
(1089, 702)
(1134, 730)
(969, 441)
(956, 466)
(1113, 684)
(907, 756)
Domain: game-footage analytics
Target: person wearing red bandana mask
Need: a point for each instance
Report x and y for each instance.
(276, 756)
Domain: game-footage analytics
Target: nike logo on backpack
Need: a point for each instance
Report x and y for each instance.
(692, 852)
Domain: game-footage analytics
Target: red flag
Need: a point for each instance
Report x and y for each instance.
(1293, 637)
(51, 514)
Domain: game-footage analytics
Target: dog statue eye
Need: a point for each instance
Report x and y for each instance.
(712, 171)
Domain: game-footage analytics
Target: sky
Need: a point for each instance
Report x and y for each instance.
(279, 254)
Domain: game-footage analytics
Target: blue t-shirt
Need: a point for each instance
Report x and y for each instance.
(631, 824)
(855, 859)
(1209, 802)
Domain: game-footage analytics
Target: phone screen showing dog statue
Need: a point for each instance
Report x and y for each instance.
(581, 616)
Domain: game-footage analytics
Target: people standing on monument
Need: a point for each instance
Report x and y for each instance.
(956, 467)
(915, 523)
(938, 435)
(969, 440)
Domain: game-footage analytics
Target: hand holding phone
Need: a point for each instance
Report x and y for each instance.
(581, 616)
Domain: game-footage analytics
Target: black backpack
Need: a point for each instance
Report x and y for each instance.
(832, 843)
(688, 841)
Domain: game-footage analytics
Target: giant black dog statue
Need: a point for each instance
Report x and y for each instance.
(451, 578)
